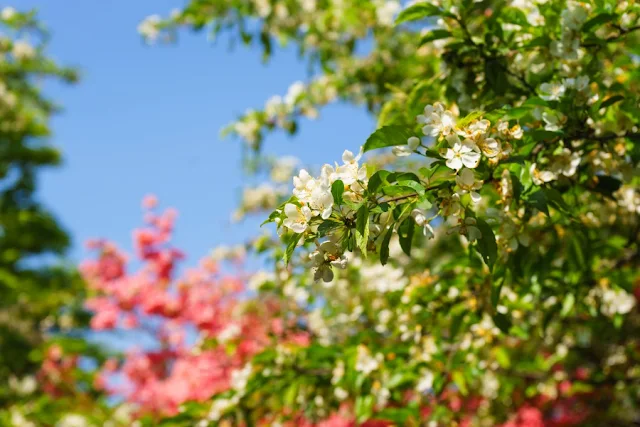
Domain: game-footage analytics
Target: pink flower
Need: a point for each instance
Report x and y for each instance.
(149, 201)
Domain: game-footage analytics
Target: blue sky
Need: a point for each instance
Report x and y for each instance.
(146, 119)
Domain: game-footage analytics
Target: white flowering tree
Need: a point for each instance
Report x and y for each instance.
(483, 271)
(478, 267)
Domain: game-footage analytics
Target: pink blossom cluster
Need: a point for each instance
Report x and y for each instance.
(202, 302)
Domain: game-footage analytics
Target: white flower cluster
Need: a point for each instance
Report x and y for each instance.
(565, 163)
(279, 108)
(328, 255)
(73, 420)
(382, 279)
(466, 152)
(530, 8)
(366, 362)
(628, 198)
(149, 28)
(23, 51)
(314, 194)
(555, 91)
(612, 301)
(255, 199)
(466, 146)
(386, 11)
(572, 19)
(8, 13)
(228, 253)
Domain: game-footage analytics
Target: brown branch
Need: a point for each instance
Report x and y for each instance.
(622, 33)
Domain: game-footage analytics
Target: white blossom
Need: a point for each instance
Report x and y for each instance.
(404, 150)
(365, 362)
(581, 83)
(229, 333)
(321, 201)
(420, 218)
(240, 378)
(574, 16)
(552, 91)
(340, 393)
(460, 154)
(149, 27)
(616, 301)
(219, 407)
(450, 205)
(566, 163)
(553, 120)
(386, 12)
(303, 186)
(294, 92)
(72, 420)
(628, 198)
(23, 51)
(467, 183)
(477, 129)
(8, 13)
(297, 217)
(467, 227)
(540, 177)
(437, 121)
(328, 255)
(515, 131)
(425, 383)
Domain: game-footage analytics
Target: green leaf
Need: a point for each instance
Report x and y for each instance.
(394, 190)
(503, 322)
(435, 35)
(495, 293)
(544, 135)
(405, 232)
(539, 201)
(400, 378)
(543, 40)
(376, 180)
(328, 226)
(514, 15)
(486, 245)
(535, 101)
(607, 185)
(469, 118)
(362, 229)
(555, 199)
(399, 416)
(291, 246)
(418, 188)
(567, 305)
(404, 176)
(460, 382)
(495, 75)
(290, 395)
(610, 101)
(456, 323)
(517, 112)
(424, 204)
(576, 249)
(384, 247)
(597, 21)
(517, 186)
(364, 408)
(420, 11)
(502, 357)
(337, 189)
(388, 136)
